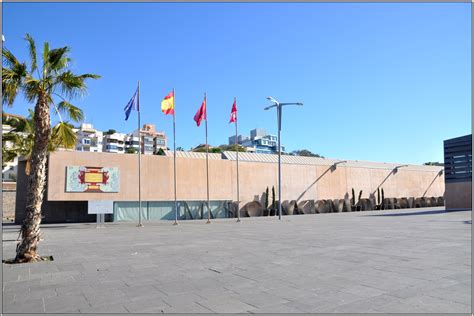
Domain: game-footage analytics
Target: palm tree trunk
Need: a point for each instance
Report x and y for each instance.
(30, 229)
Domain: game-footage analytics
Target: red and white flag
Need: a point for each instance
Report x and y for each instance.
(233, 113)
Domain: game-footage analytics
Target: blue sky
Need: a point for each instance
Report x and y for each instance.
(380, 82)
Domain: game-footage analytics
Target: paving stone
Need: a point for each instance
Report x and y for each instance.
(428, 304)
(30, 306)
(226, 305)
(109, 309)
(363, 291)
(65, 304)
(146, 306)
(34, 294)
(348, 262)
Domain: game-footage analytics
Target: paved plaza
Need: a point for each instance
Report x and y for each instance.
(395, 261)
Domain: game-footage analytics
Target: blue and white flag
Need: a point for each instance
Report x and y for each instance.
(132, 104)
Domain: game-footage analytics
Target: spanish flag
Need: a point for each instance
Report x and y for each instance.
(167, 105)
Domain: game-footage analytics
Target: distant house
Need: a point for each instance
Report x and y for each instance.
(259, 142)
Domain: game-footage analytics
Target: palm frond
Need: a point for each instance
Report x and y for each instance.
(73, 112)
(8, 155)
(71, 86)
(12, 80)
(9, 59)
(20, 139)
(32, 88)
(62, 64)
(31, 114)
(45, 59)
(62, 135)
(32, 51)
(17, 124)
(89, 76)
(57, 58)
(11, 137)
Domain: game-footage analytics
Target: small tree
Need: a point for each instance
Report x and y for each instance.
(273, 198)
(266, 199)
(383, 198)
(179, 149)
(160, 152)
(232, 147)
(130, 150)
(306, 153)
(110, 132)
(360, 195)
(353, 197)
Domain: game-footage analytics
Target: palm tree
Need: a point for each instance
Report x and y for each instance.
(20, 138)
(53, 80)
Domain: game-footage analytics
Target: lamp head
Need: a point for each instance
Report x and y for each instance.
(272, 99)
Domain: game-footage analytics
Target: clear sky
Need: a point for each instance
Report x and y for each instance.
(380, 82)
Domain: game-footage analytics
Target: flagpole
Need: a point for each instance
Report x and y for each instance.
(174, 159)
(237, 155)
(139, 164)
(207, 167)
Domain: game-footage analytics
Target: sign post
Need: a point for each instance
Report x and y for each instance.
(100, 208)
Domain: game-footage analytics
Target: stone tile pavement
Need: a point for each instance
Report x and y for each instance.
(396, 261)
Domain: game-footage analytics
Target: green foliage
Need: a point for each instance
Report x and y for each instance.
(273, 198)
(233, 147)
(202, 149)
(160, 152)
(383, 198)
(63, 136)
(20, 139)
(305, 152)
(179, 149)
(433, 163)
(110, 132)
(266, 199)
(353, 197)
(52, 80)
(130, 150)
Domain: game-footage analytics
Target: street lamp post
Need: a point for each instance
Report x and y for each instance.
(279, 107)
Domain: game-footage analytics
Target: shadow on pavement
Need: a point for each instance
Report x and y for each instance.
(423, 212)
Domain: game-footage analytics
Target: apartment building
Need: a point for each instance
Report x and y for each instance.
(151, 139)
(259, 141)
(114, 143)
(88, 138)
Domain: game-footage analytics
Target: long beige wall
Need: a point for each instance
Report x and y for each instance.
(299, 181)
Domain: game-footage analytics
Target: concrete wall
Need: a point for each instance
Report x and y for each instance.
(299, 181)
(458, 195)
(8, 200)
(52, 211)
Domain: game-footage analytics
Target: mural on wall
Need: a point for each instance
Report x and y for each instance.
(92, 179)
